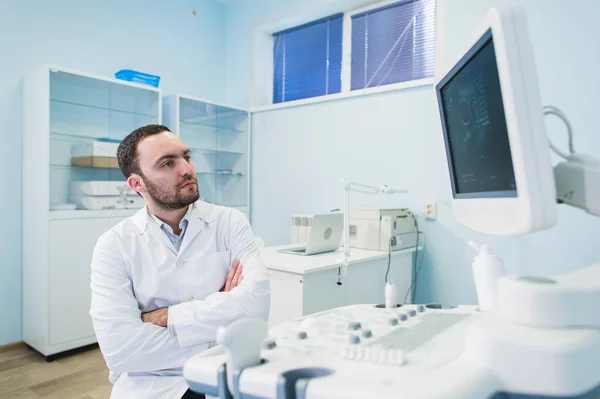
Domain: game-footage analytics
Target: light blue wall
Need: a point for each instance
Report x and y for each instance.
(242, 16)
(395, 138)
(100, 37)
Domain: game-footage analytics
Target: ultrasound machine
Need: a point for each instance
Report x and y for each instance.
(542, 337)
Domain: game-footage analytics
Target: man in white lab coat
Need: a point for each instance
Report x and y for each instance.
(166, 278)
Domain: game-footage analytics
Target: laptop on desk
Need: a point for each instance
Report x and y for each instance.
(325, 235)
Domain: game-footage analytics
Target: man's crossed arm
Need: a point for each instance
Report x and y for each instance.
(160, 317)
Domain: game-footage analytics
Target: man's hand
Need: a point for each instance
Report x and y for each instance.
(234, 277)
(160, 317)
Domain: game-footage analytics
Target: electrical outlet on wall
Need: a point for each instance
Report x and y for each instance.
(431, 210)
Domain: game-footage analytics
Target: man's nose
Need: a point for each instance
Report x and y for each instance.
(185, 168)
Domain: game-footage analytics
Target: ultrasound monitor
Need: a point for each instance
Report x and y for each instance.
(492, 121)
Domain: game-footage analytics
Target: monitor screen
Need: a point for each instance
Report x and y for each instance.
(474, 124)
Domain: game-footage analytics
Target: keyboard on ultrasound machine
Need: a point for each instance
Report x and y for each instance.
(357, 351)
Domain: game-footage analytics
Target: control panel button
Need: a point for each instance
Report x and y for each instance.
(367, 333)
(354, 339)
(412, 313)
(354, 325)
(402, 317)
(302, 335)
(360, 353)
(400, 359)
(395, 357)
(420, 308)
(391, 356)
(393, 321)
(269, 344)
(350, 352)
(372, 355)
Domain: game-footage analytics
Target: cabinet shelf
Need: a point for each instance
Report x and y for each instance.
(212, 126)
(89, 106)
(89, 214)
(61, 166)
(62, 136)
(200, 112)
(221, 174)
(213, 151)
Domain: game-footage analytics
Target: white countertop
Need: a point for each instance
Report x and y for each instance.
(305, 264)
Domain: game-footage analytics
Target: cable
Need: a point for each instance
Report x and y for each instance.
(391, 242)
(552, 110)
(414, 282)
(415, 272)
(415, 269)
(389, 260)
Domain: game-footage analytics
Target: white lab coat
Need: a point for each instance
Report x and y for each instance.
(135, 269)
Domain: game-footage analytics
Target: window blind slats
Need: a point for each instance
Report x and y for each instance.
(391, 45)
(307, 60)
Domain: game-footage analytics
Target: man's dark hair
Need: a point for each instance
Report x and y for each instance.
(127, 155)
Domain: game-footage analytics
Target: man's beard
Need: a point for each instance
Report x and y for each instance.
(170, 201)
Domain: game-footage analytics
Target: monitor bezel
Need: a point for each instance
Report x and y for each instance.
(534, 206)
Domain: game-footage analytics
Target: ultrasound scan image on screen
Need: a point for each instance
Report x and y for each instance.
(480, 158)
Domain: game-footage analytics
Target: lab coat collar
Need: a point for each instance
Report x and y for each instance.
(201, 215)
(201, 210)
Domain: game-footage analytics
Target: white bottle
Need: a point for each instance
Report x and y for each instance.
(391, 298)
(487, 271)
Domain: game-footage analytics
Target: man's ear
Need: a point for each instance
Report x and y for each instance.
(136, 183)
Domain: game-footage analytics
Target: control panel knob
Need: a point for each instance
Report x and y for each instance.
(420, 308)
(393, 321)
(402, 317)
(269, 344)
(412, 313)
(302, 335)
(367, 333)
(354, 339)
(354, 325)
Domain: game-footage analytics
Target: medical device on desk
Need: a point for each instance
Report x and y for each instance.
(382, 229)
(361, 188)
(541, 336)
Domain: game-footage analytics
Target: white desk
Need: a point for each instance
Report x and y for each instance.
(302, 285)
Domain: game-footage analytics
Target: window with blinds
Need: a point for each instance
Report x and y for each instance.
(392, 44)
(389, 44)
(307, 60)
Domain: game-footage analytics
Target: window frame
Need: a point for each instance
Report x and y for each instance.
(261, 95)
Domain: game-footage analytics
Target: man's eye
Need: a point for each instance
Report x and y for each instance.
(168, 164)
(187, 158)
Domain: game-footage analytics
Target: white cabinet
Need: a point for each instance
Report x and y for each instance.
(69, 290)
(219, 138)
(302, 285)
(63, 110)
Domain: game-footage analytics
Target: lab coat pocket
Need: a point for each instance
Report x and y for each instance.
(207, 272)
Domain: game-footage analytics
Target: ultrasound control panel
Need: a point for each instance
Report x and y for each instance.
(356, 341)
(367, 333)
